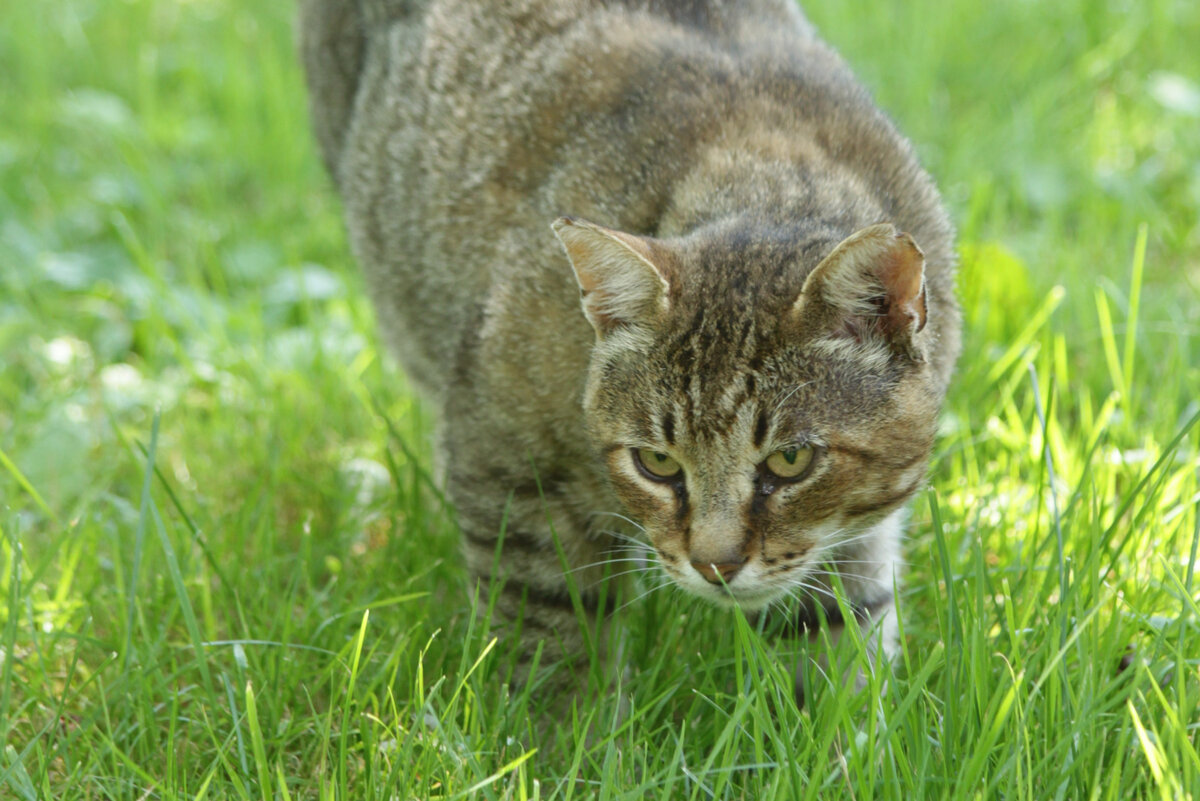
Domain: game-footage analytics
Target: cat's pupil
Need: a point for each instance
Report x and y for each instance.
(790, 456)
(661, 457)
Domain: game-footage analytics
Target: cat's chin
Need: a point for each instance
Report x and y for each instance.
(748, 600)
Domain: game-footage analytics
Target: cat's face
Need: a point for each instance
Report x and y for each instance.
(747, 477)
(751, 429)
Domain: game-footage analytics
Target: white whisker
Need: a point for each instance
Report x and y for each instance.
(857, 561)
(637, 598)
(620, 535)
(787, 397)
(619, 516)
(633, 571)
(625, 550)
(812, 589)
(603, 562)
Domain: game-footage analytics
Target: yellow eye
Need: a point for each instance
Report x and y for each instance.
(790, 463)
(658, 465)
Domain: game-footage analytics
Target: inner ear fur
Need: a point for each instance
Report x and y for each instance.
(872, 286)
(623, 279)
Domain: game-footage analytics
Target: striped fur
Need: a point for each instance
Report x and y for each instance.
(736, 201)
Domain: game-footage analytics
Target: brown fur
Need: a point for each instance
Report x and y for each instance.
(712, 156)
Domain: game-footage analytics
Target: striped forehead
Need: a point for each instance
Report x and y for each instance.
(708, 414)
(714, 382)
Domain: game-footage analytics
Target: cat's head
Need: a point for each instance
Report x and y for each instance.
(756, 415)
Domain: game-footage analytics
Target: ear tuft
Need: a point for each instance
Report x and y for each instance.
(622, 278)
(871, 286)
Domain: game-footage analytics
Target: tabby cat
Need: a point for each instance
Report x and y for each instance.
(768, 323)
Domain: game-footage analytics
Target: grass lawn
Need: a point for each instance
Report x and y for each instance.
(224, 571)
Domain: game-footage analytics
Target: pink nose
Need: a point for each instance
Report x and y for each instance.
(721, 573)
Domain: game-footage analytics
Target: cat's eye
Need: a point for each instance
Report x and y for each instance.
(791, 463)
(656, 465)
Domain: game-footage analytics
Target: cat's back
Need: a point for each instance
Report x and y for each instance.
(455, 128)
(496, 112)
(483, 101)
(474, 124)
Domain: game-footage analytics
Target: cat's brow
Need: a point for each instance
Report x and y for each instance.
(779, 404)
(885, 457)
(668, 428)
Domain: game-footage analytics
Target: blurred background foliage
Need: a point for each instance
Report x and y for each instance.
(169, 244)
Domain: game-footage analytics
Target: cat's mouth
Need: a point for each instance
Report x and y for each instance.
(749, 599)
(745, 592)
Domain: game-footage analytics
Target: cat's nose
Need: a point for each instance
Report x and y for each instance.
(718, 573)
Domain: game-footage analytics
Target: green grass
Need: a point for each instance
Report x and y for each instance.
(225, 575)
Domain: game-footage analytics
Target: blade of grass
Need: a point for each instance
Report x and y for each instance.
(16, 777)
(256, 745)
(189, 616)
(497, 776)
(349, 702)
(1135, 300)
(1109, 339)
(138, 541)
(23, 482)
(282, 779)
(1014, 351)
(11, 623)
(1155, 472)
(1152, 754)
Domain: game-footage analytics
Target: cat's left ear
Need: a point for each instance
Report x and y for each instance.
(871, 287)
(623, 279)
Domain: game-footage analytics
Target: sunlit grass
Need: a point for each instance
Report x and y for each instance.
(226, 573)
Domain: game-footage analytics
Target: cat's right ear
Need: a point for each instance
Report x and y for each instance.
(623, 279)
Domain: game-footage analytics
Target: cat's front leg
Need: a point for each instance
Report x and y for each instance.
(546, 582)
(876, 621)
(865, 577)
